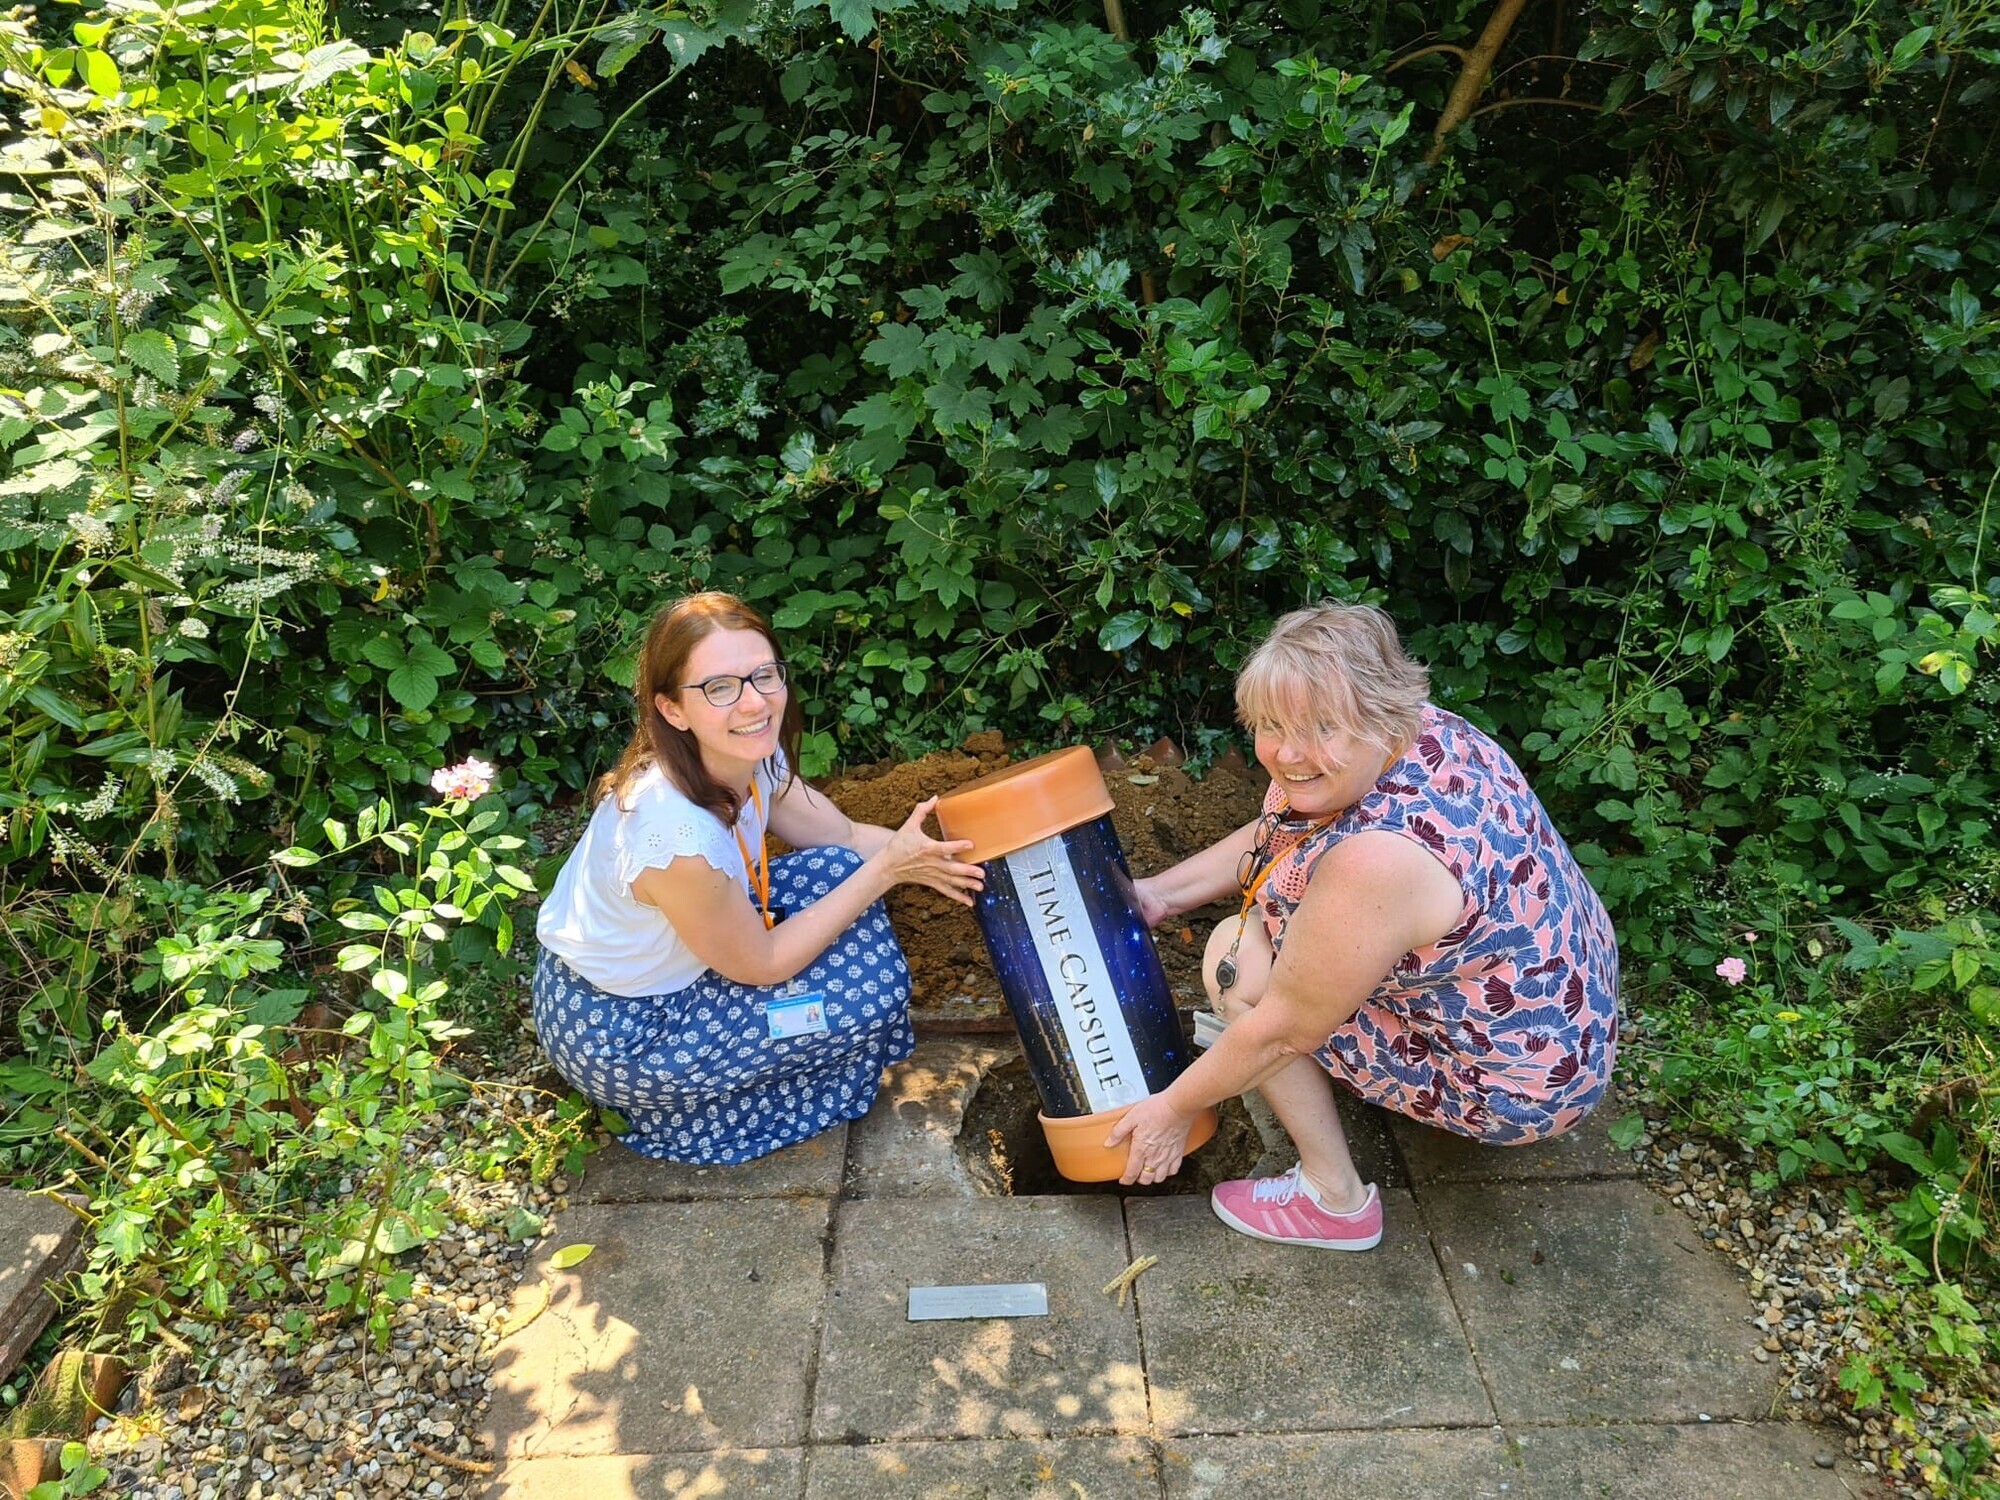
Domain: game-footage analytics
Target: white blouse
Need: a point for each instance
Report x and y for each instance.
(593, 922)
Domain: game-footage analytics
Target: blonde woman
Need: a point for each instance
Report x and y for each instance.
(1412, 928)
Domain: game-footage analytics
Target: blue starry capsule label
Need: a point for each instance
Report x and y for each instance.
(1078, 977)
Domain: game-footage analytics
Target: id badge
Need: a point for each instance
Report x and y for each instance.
(796, 1015)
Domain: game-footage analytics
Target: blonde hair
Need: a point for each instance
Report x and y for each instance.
(1339, 667)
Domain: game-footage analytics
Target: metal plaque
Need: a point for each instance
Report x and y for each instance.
(1015, 1299)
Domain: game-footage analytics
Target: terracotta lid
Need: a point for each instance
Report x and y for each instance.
(1077, 1142)
(1015, 807)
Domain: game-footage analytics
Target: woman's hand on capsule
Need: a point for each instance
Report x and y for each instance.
(915, 858)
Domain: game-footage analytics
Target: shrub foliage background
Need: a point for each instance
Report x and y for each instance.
(365, 388)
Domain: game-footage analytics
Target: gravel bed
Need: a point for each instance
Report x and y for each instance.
(1815, 1277)
(259, 1411)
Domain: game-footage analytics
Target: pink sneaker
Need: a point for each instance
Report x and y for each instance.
(1286, 1211)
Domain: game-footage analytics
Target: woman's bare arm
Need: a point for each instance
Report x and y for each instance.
(713, 915)
(805, 817)
(1196, 880)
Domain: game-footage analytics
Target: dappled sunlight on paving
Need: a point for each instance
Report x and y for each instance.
(763, 1346)
(726, 1474)
(1121, 1391)
(1001, 1383)
(1074, 1371)
(603, 1346)
(1048, 1469)
(1172, 1410)
(704, 1483)
(688, 1327)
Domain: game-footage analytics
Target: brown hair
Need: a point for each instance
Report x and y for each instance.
(662, 668)
(1337, 665)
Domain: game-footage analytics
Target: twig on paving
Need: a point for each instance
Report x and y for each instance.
(1122, 1282)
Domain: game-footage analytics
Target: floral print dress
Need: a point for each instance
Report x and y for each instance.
(1506, 1028)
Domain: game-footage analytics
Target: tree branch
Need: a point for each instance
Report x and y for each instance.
(1472, 77)
(1487, 109)
(1589, 62)
(1431, 51)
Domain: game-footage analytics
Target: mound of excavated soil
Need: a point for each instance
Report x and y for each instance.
(1161, 815)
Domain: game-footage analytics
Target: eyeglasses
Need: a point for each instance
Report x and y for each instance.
(723, 690)
(1253, 860)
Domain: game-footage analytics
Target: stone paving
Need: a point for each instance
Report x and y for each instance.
(1535, 1323)
(40, 1243)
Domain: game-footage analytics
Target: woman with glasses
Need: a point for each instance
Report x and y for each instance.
(727, 1004)
(1412, 927)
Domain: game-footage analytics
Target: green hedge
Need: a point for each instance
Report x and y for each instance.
(361, 402)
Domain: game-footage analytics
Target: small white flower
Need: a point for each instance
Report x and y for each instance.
(469, 780)
(217, 780)
(103, 802)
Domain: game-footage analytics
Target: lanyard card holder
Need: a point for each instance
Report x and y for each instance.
(796, 1012)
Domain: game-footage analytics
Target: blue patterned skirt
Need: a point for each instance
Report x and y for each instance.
(696, 1072)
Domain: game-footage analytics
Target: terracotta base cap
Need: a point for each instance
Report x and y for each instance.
(1077, 1143)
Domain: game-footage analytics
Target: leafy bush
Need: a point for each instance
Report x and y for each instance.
(1024, 370)
(244, 1142)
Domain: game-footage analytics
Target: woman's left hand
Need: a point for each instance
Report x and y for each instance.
(913, 857)
(1156, 1135)
(1153, 905)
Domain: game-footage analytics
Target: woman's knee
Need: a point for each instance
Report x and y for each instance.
(807, 875)
(1233, 1005)
(1246, 957)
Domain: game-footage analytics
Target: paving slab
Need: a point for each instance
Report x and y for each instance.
(1707, 1461)
(1074, 1372)
(906, 1146)
(41, 1242)
(1246, 1336)
(1596, 1301)
(777, 1474)
(1343, 1466)
(1584, 1151)
(810, 1169)
(690, 1326)
(1101, 1468)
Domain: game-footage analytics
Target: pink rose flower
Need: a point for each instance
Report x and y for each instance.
(1733, 970)
(465, 782)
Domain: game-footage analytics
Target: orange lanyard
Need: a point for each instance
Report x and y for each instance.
(760, 872)
(1226, 970)
(1257, 880)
